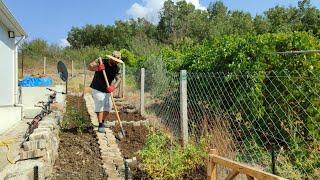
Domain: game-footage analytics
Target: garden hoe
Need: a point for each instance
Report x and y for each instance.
(122, 133)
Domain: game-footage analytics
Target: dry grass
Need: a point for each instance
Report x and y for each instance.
(217, 133)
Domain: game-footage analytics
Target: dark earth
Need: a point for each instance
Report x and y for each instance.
(133, 141)
(79, 154)
(125, 117)
(131, 144)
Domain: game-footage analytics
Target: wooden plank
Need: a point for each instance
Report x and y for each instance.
(244, 169)
(250, 177)
(211, 166)
(232, 175)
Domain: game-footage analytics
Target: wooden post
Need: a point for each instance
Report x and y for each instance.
(183, 106)
(84, 76)
(212, 166)
(44, 65)
(72, 68)
(142, 110)
(123, 80)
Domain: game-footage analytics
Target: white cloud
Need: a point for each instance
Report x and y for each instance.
(149, 9)
(197, 4)
(63, 43)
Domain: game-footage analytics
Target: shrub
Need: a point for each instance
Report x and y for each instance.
(275, 94)
(165, 159)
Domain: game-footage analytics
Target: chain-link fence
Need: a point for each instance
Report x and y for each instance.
(270, 121)
(79, 77)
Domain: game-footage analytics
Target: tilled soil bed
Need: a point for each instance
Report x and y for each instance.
(125, 116)
(130, 145)
(79, 153)
(133, 141)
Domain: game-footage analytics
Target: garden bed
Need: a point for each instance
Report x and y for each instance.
(133, 141)
(130, 145)
(79, 153)
(125, 117)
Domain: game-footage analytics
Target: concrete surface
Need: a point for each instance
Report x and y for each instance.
(9, 116)
(15, 133)
(30, 96)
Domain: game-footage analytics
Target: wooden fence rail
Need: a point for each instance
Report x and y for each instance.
(237, 168)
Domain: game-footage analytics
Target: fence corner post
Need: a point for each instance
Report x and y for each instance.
(211, 166)
(142, 110)
(183, 106)
(123, 79)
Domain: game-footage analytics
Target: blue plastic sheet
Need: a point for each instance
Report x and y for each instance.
(29, 81)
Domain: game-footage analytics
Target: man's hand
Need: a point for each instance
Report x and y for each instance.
(101, 67)
(111, 88)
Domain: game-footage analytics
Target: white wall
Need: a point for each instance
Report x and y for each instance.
(8, 72)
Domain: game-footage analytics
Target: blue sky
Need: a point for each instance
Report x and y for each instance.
(52, 19)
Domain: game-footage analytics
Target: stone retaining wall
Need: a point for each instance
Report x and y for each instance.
(38, 154)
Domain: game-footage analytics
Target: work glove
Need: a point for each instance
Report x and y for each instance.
(101, 67)
(110, 89)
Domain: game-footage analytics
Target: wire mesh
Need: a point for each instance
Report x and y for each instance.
(162, 98)
(269, 120)
(249, 117)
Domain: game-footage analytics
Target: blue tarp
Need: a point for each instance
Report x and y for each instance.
(29, 81)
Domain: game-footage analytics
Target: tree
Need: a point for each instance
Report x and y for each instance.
(261, 25)
(166, 27)
(241, 23)
(36, 48)
(217, 10)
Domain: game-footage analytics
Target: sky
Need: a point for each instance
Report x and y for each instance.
(52, 19)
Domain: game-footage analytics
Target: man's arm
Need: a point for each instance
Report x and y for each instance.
(117, 80)
(93, 66)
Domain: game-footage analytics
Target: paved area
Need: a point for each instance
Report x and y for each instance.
(14, 138)
(110, 153)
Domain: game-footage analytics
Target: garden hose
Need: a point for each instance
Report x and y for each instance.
(7, 143)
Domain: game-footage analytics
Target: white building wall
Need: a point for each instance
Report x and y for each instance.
(8, 76)
(9, 114)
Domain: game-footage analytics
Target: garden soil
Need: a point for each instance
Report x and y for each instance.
(79, 153)
(125, 117)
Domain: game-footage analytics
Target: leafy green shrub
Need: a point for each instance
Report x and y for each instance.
(277, 95)
(76, 117)
(128, 58)
(164, 159)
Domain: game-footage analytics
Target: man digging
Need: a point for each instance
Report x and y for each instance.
(100, 92)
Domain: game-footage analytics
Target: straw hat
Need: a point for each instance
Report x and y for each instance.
(116, 56)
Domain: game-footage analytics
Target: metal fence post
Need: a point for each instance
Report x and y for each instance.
(123, 80)
(142, 111)
(44, 65)
(183, 106)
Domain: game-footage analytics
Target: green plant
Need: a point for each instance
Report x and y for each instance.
(164, 159)
(74, 118)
